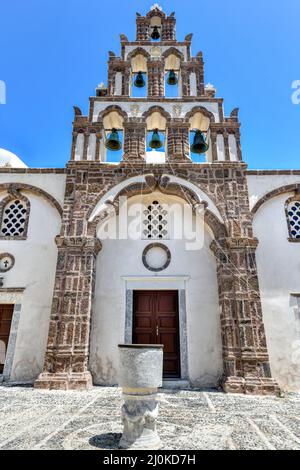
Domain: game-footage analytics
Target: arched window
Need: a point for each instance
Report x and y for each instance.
(156, 138)
(155, 224)
(293, 217)
(114, 136)
(172, 76)
(139, 83)
(14, 219)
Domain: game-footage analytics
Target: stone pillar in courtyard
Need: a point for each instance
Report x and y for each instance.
(66, 361)
(140, 374)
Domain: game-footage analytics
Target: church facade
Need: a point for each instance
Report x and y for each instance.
(154, 232)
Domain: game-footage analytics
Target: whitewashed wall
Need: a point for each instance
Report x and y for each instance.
(279, 276)
(123, 258)
(34, 270)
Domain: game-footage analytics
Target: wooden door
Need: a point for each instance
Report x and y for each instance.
(155, 321)
(6, 313)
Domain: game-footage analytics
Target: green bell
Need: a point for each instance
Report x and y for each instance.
(199, 145)
(139, 81)
(113, 141)
(172, 78)
(155, 33)
(155, 142)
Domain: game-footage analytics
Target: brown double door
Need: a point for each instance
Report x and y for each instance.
(155, 321)
(6, 313)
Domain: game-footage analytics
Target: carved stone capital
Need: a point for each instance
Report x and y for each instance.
(79, 243)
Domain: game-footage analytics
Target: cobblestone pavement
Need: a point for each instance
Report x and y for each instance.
(32, 419)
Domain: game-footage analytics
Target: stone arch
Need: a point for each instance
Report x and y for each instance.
(275, 192)
(137, 51)
(157, 109)
(202, 110)
(15, 188)
(174, 51)
(110, 109)
(146, 184)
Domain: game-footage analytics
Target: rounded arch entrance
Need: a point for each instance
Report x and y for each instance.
(191, 272)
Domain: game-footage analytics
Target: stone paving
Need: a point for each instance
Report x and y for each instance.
(33, 419)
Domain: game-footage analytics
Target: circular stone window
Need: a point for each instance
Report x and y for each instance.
(156, 257)
(6, 262)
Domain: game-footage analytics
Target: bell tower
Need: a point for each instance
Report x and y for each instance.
(154, 120)
(156, 84)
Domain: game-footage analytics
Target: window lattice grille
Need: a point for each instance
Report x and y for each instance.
(294, 218)
(155, 222)
(14, 219)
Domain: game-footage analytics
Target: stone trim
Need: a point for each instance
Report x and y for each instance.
(14, 193)
(156, 245)
(275, 192)
(273, 172)
(10, 352)
(137, 51)
(184, 369)
(295, 198)
(157, 109)
(202, 110)
(57, 171)
(174, 51)
(35, 190)
(110, 109)
(12, 258)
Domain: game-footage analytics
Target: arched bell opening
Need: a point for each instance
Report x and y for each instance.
(155, 29)
(139, 76)
(172, 77)
(199, 138)
(156, 138)
(113, 137)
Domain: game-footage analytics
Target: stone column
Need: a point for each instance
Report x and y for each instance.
(213, 143)
(73, 146)
(178, 142)
(155, 78)
(245, 355)
(134, 141)
(185, 81)
(66, 361)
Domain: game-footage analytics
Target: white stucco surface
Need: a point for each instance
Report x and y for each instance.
(120, 259)
(259, 185)
(34, 270)
(51, 183)
(278, 263)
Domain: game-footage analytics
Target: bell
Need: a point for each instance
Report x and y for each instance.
(113, 141)
(155, 33)
(199, 145)
(155, 142)
(139, 81)
(172, 78)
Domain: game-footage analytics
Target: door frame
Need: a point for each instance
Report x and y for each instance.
(156, 283)
(10, 351)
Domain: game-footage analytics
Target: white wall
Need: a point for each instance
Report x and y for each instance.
(34, 270)
(278, 263)
(120, 258)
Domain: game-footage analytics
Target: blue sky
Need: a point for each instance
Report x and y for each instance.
(53, 53)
